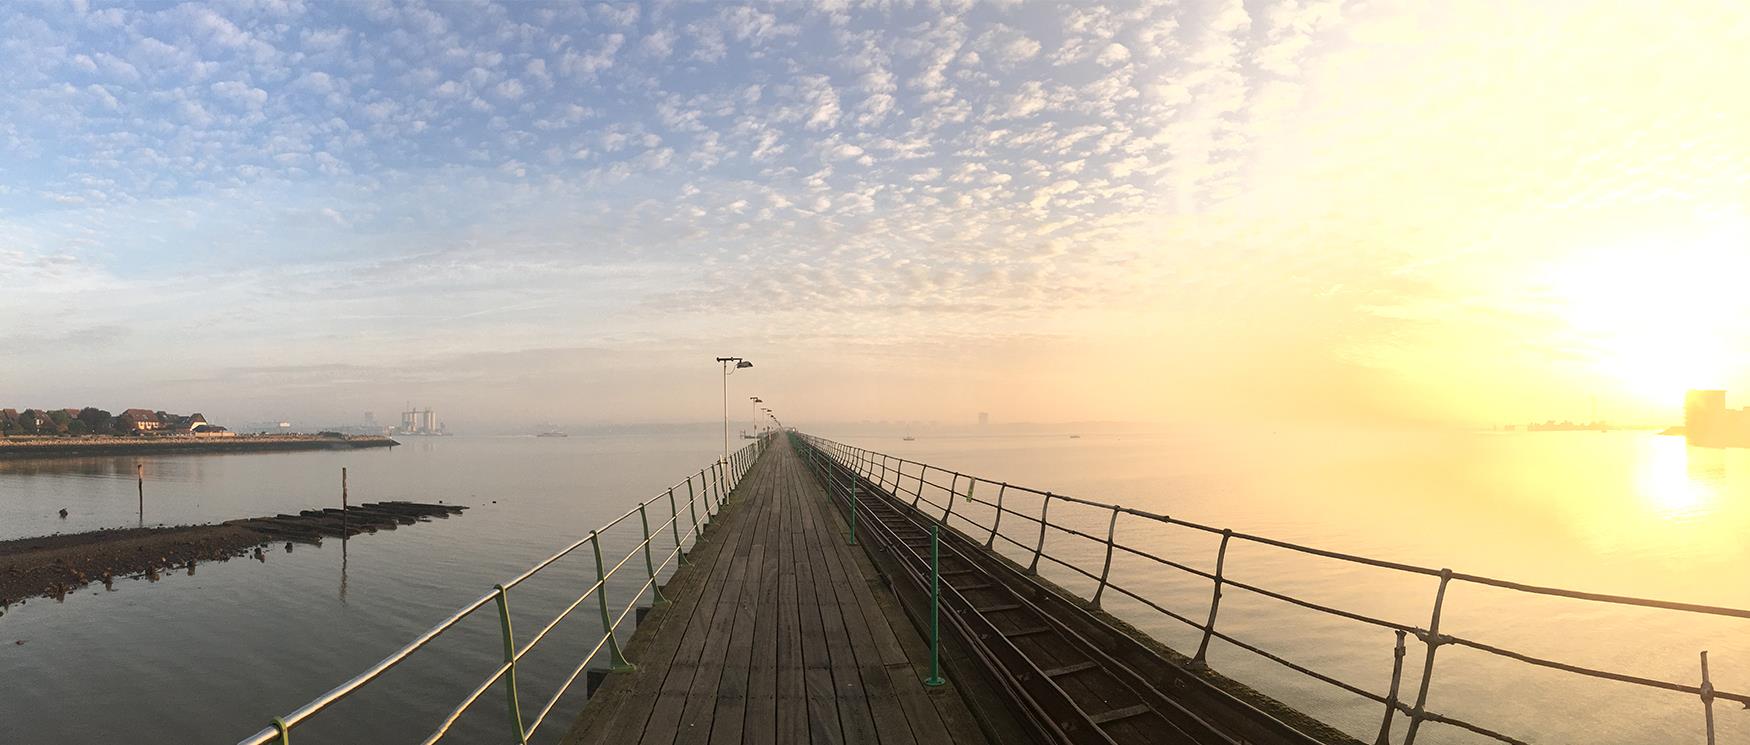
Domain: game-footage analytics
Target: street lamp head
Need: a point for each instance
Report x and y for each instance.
(742, 364)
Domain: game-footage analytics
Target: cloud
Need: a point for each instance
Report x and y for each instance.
(589, 64)
(1004, 164)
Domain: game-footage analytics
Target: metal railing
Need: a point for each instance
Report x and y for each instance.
(713, 487)
(894, 475)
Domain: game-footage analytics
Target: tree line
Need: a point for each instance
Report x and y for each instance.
(88, 421)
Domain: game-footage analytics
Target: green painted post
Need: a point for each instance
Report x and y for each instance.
(935, 678)
(722, 484)
(619, 660)
(674, 522)
(694, 511)
(650, 567)
(853, 509)
(516, 710)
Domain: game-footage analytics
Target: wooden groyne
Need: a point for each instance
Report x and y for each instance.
(311, 526)
(63, 447)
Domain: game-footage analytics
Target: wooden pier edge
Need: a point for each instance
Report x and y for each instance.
(850, 661)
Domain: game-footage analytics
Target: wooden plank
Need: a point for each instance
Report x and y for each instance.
(622, 711)
(849, 695)
(903, 655)
(886, 718)
(760, 721)
(781, 636)
(823, 714)
(792, 703)
(694, 726)
(731, 704)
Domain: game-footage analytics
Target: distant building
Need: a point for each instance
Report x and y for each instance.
(180, 425)
(420, 422)
(39, 422)
(983, 418)
(139, 420)
(1708, 423)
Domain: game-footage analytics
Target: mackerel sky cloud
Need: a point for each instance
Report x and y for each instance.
(270, 208)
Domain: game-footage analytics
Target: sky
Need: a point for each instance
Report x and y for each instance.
(1201, 210)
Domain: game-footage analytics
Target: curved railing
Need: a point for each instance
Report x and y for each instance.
(714, 484)
(894, 474)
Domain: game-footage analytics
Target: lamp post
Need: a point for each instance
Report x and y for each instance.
(729, 370)
(753, 421)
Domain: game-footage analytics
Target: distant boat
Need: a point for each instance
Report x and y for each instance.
(1075, 437)
(552, 434)
(909, 438)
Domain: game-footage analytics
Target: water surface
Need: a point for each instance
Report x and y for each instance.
(210, 657)
(1627, 513)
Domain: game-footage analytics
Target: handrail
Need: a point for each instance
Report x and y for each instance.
(715, 488)
(889, 474)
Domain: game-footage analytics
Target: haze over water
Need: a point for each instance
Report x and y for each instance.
(1629, 513)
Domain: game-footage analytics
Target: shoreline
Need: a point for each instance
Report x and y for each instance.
(56, 447)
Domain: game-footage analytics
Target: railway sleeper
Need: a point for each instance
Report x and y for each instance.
(1084, 702)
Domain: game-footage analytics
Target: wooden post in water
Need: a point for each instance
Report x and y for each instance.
(343, 530)
(140, 484)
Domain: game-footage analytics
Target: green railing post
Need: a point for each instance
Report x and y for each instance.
(516, 711)
(649, 566)
(619, 660)
(674, 522)
(284, 731)
(693, 510)
(935, 678)
(1044, 521)
(722, 484)
(853, 509)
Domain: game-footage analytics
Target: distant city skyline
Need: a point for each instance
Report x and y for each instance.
(1403, 213)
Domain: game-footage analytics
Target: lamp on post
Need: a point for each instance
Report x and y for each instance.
(754, 419)
(729, 370)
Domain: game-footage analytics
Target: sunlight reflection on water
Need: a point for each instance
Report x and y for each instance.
(1627, 513)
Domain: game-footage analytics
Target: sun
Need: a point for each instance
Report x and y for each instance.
(1659, 316)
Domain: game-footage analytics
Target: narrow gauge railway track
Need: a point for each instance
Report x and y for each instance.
(1072, 688)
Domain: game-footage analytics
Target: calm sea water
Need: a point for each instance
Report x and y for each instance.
(1622, 513)
(212, 656)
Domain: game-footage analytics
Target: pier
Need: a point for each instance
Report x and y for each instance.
(778, 632)
(802, 590)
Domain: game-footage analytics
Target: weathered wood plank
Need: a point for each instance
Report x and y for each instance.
(620, 711)
(775, 634)
(889, 721)
(761, 719)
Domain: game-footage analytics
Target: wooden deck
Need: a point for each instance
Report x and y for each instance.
(779, 632)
